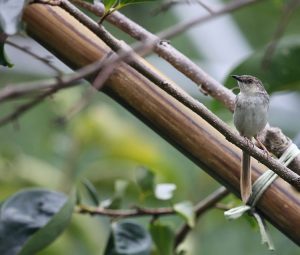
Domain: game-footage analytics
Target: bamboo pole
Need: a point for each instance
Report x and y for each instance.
(77, 46)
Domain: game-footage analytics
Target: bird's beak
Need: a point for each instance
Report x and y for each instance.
(237, 77)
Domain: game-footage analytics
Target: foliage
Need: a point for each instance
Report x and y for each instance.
(119, 164)
(280, 72)
(114, 5)
(128, 238)
(32, 219)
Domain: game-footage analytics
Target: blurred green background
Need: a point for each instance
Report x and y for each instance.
(104, 142)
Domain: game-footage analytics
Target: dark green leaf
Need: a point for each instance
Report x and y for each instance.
(163, 237)
(92, 191)
(282, 72)
(145, 179)
(186, 210)
(10, 15)
(24, 214)
(51, 231)
(128, 238)
(3, 58)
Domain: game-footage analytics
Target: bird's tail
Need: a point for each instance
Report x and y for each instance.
(245, 181)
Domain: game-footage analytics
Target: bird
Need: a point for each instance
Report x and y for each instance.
(250, 118)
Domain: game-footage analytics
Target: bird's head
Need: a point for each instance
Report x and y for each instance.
(248, 84)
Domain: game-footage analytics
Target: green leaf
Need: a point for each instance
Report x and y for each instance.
(282, 72)
(52, 230)
(145, 180)
(23, 214)
(186, 210)
(113, 5)
(164, 191)
(3, 58)
(110, 4)
(127, 2)
(92, 191)
(128, 238)
(163, 237)
(120, 188)
(10, 15)
(116, 201)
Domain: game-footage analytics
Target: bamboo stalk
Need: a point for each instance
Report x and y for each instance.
(77, 46)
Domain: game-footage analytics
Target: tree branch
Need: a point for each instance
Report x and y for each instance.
(200, 208)
(26, 50)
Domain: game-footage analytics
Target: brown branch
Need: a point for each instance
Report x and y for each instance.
(208, 203)
(200, 208)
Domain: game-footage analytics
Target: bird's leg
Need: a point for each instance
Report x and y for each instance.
(261, 146)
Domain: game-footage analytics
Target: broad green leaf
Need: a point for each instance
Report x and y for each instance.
(23, 214)
(282, 72)
(128, 238)
(145, 180)
(92, 191)
(186, 210)
(52, 230)
(164, 191)
(163, 237)
(10, 15)
(3, 58)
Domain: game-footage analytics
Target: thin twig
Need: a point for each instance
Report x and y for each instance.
(26, 50)
(200, 208)
(86, 98)
(166, 5)
(56, 84)
(207, 203)
(281, 27)
(19, 90)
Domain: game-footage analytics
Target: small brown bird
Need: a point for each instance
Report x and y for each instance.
(250, 118)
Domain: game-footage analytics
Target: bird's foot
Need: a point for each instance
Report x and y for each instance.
(249, 142)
